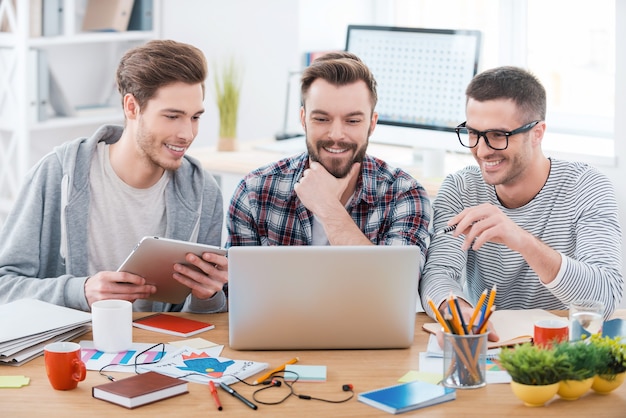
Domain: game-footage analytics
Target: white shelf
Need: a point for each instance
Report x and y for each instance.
(70, 122)
(80, 84)
(9, 40)
(91, 37)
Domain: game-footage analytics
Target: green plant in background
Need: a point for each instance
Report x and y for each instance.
(583, 359)
(612, 353)
(532, 365)
(227, 83)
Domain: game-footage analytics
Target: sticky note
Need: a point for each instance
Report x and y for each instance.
(421, 376)
(305, 373)
(13, 381)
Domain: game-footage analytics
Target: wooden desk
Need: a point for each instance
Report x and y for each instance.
(365, 369)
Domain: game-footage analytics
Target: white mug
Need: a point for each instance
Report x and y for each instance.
(112, 322)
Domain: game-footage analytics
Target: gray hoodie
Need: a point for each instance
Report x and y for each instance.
(43, 254)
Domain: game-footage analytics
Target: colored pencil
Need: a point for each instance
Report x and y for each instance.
(455, 316)
(477, 309)
(458, 309)
(492, 299)
(276, 370)
(483, 325)
(440, 319)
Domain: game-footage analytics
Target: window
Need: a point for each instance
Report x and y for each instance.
(571, 48)
(568, 44)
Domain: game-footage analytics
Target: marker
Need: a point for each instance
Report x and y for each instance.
(237, 395)
(276, 370)
(216, 397)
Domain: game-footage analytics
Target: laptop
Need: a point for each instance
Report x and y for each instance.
(322, 297)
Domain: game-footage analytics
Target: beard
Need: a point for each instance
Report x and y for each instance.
(517, 165)
(336, 166)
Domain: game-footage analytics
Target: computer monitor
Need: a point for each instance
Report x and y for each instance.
(421, 73)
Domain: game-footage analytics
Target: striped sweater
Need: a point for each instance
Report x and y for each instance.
(575, 213)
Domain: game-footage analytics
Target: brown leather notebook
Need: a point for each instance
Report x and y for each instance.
(140, 389)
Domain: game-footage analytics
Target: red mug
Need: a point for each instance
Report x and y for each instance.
(64, 366)
(550, 331)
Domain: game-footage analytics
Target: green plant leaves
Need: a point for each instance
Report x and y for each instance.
(583, 359)
(531, 365)
(612, 352)
(227, 82)
(577, 360)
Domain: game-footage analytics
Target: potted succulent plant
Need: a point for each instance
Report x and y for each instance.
(227, 84)
(611, 371)
(535, 372)
(583, 361)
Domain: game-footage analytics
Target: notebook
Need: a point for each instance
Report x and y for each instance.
(407, 396)
(322, 297)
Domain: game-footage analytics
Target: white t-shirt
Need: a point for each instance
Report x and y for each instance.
(120, 215)
(318, 235)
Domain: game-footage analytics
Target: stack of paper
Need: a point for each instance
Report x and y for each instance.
(27, 325)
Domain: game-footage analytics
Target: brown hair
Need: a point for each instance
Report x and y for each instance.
(148, 67)
(339, 68)
(513, 83)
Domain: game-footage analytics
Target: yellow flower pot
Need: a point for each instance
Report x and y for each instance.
(534, 395)
(604, 384)
(574, 389)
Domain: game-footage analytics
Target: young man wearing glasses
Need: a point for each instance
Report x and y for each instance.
(544, 231)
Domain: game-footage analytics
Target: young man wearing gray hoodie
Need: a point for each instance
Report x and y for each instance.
(85, 205)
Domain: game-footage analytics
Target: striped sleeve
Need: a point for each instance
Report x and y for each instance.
(575, 213)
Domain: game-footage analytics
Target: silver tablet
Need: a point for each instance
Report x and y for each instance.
(153, 258)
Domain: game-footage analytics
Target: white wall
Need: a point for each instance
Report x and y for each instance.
(261, 35)
(268, 37)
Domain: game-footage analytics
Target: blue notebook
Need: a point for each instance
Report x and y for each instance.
(407, 396)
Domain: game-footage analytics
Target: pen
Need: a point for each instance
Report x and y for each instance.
(216, 397)
(446, 230)
(276, 370)
(449, 228)
(237, 395)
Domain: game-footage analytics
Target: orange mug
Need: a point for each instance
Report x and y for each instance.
(550, 331)
(64, 366)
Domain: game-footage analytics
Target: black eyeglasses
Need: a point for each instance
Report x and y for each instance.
(494, 138)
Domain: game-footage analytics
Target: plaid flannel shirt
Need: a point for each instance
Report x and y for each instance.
(390, 207)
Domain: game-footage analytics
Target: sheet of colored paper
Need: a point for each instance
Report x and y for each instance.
(429, 377)
(197, 343)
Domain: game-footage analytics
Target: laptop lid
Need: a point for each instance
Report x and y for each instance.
(322, 297)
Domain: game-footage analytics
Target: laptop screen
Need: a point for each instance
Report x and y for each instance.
(322, 297)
